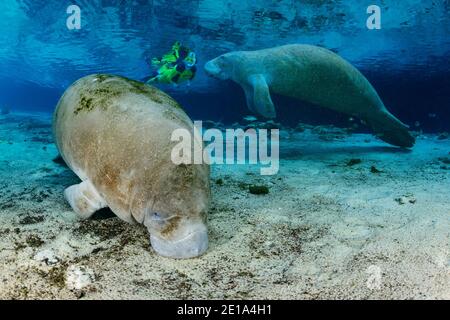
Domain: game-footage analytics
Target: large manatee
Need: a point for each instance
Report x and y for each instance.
(115, 134)
(311, 74)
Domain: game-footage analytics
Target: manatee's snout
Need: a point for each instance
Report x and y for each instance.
(189, 241)
(213, 69)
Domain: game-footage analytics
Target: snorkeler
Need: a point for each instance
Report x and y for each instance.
(175, 67)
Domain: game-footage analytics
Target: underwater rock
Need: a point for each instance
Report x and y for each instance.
(285, 134)
(300, 128)
(120, 134)
(329, 137)
(353, 162)
(47, 256)
(374, 169)
(330, 133)
(259, 125)
(219, 182)
(443, 136)
(285, 70)
(270, 125)
(258, 189)
(79, 277)
(444, 160)
(407, 198)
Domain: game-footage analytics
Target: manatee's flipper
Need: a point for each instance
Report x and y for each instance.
(84, 199)
(249, 97)
(391, 130)
(262, 102)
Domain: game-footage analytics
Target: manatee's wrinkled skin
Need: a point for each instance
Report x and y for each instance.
(115, 134)
(311, 74)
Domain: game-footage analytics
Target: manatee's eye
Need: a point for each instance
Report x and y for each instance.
(156, 219)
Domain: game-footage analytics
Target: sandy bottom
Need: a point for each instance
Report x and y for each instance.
(330, 226)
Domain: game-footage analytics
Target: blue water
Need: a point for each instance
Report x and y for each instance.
(407, 61)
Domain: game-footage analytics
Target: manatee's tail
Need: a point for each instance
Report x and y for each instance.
(391, 130)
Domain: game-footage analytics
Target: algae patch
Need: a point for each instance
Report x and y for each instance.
(101, 94)
(259, 190)
(34, 241)
(85, 104)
